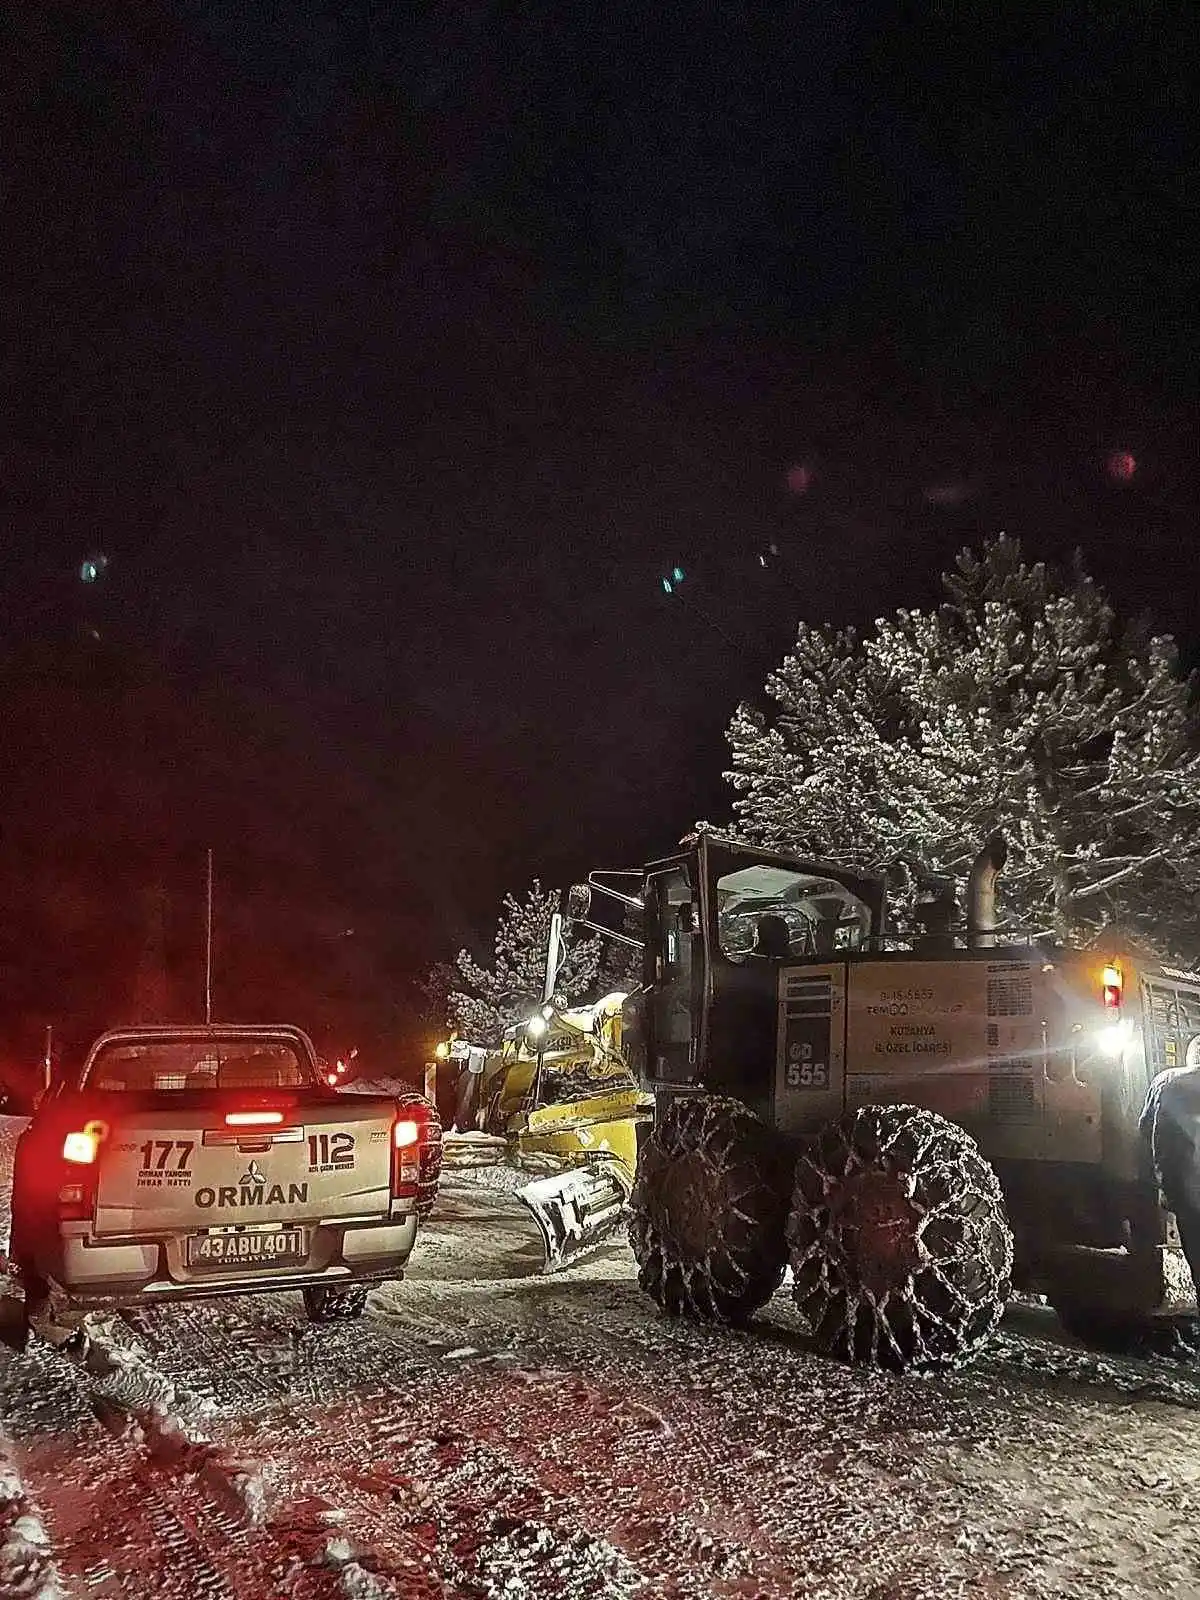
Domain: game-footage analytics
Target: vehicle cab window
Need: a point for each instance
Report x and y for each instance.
(170, 1066)
(772, 913)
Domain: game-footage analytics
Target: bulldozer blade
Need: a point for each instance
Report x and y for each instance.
(577, 1210)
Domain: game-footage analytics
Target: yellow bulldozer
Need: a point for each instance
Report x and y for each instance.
(557, 1103)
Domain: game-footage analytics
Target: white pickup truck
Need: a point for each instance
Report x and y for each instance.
(214, 1161)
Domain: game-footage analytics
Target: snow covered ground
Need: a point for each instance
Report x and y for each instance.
(485, 1432)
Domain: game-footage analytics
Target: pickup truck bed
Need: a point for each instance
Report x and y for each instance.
(215, 1161)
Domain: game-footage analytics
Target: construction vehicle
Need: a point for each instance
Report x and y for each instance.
(556, 1102)
(914, 1127)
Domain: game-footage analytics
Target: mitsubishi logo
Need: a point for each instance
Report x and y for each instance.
(252, 1190)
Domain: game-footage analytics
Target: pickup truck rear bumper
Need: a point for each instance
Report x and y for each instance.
(123, 1270)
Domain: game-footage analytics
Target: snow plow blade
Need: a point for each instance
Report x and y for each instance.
(577, 1210)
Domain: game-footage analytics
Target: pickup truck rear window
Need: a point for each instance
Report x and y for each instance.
(142, 1068)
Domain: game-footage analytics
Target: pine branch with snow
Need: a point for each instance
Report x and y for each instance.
(484, 1000)
(1020, 704)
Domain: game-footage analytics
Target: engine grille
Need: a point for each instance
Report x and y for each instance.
(1010, 994)
(1011, 1093)
(809, 996)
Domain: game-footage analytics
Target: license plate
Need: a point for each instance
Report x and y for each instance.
(218, 1252)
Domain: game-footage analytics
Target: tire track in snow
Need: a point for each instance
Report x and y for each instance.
(480, 1434)
(124, 1526)
(575, 1343)
(351, 1458)
(27, 1563)
(171, 1510)
(557, 1432)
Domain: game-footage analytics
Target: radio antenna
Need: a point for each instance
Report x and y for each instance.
(208, 942)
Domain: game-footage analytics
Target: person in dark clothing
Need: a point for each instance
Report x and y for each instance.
(773, 937)
(1170, 1125)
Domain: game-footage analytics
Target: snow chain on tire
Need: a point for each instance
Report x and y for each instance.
(708, 1210)
(898, 1238)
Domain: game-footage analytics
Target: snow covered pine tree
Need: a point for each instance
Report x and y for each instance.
(483, 1001)
(1021, 704)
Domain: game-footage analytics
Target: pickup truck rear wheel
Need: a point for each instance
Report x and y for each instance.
(327, 1303)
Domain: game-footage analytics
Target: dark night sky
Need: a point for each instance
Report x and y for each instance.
(391, 352)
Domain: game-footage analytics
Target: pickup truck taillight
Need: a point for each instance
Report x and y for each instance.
(406, 1155)
(77, 1200)
(416, 1152)
(80, 1153)
(81, 1148)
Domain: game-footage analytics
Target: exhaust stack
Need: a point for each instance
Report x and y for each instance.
(981, 893)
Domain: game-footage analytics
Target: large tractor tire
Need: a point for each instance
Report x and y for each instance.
(899, 1243)
(708, 1210)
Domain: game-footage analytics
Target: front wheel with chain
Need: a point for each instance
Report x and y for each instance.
(708, 1210)
(899, 1242)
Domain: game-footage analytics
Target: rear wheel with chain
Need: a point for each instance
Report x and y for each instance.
(899, 1241)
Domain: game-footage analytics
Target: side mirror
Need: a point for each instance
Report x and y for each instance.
(579, 900)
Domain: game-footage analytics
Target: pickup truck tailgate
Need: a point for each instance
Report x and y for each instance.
(168, 1170)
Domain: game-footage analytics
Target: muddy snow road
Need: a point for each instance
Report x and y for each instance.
(484, 1431)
